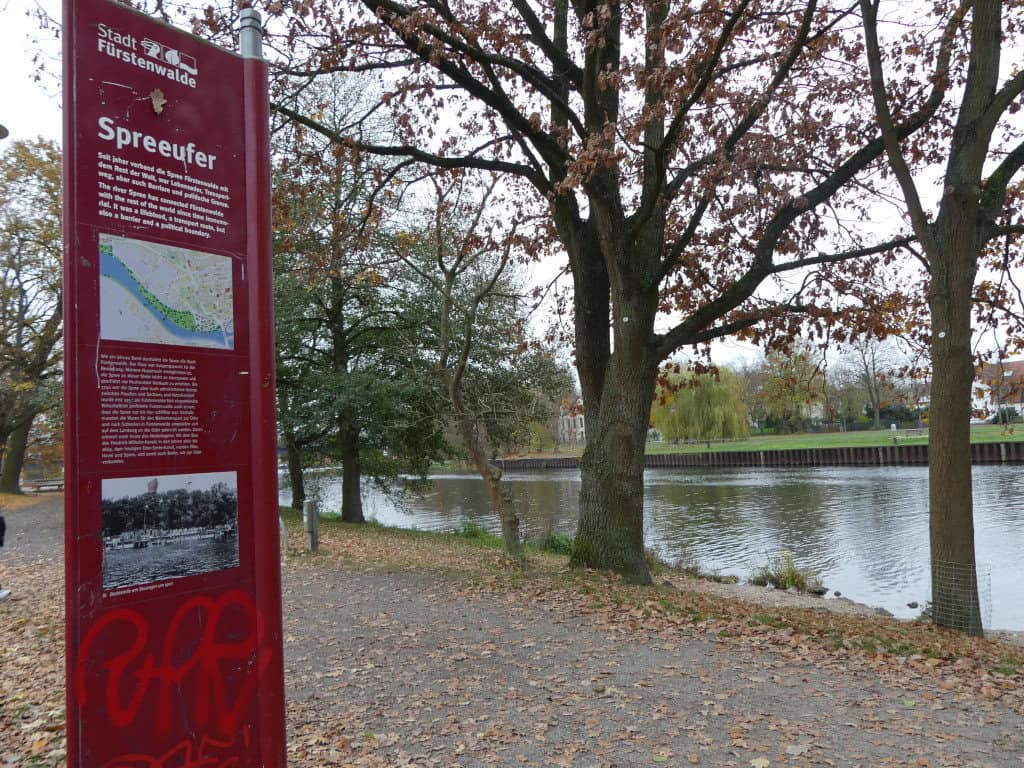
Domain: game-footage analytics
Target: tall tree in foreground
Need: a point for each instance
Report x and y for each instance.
(979, 203)
(685, 157)
(31, 308)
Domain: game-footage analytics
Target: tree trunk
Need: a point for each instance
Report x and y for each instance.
(351, 474)
(298, 482)
(500, 501)
(954, 573)
(14, 458)
(611, 531)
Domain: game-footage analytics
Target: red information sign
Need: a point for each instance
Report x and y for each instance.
(173, 587)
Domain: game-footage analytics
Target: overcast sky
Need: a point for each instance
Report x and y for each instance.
(28, 108)
(117, 488)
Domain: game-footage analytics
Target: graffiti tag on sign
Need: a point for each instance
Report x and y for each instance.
(132, 673)
(208, 753)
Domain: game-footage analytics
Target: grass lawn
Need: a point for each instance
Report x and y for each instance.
(981, 433)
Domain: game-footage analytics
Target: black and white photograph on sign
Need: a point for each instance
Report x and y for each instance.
(169, 526)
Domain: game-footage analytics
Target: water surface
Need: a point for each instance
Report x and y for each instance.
(127, 567)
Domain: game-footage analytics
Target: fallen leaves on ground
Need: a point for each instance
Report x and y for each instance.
(459, 705)
(19, 501)
(32, 666)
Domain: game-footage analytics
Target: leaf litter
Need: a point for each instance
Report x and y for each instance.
(406, 649)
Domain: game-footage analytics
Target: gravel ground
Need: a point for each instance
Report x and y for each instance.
(478, 682)
(418, 668)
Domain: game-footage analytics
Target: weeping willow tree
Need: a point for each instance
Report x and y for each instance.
(700, 407)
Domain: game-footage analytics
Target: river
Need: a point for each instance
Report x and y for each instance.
(187, 557)
(864, 530)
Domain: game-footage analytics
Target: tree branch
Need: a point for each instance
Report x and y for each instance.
(833, 258)
(559, 59)
(353, 68)
(757, 109)
(1011, 89)
(684, 240)
(696, 324)
(883, 116)
(548, 148)
(707, 71)
(465, 161)
(729, 329)
(993, 196)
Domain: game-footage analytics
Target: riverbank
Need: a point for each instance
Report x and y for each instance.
(879, 438)
(411, 649)
(664, 577)
(895, 454)
(863, 530)
(395, 549)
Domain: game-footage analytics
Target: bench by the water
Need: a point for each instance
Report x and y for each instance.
(41, 486)
(908, 434)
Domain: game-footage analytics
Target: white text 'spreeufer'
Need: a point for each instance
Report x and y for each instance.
(125, 137)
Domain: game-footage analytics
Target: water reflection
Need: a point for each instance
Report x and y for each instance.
(864, 529)
(188, 557)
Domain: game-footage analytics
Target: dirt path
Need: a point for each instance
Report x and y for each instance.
(35, 527)
(391, 665)
(474, 682)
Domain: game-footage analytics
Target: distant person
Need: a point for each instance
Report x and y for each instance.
(4, 593)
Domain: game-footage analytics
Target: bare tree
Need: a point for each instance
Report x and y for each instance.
(977, 206)
(873, 363)
(483, 361)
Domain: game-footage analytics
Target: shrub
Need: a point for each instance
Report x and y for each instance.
(475, 532)
(718, 578)
(783, 573)
(687, 565)
(655, 562)
(558, 543)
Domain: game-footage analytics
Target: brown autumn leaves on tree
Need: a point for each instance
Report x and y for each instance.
(708, 169)
(661, 141)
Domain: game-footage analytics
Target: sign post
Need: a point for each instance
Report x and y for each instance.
(172, 581)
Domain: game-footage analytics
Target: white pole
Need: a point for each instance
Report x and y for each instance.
(250, 34)
(311, 523)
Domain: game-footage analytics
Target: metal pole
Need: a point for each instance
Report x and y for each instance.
(250, 34)
(311, 523)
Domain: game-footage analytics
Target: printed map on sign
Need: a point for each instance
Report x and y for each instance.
(162, 294)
